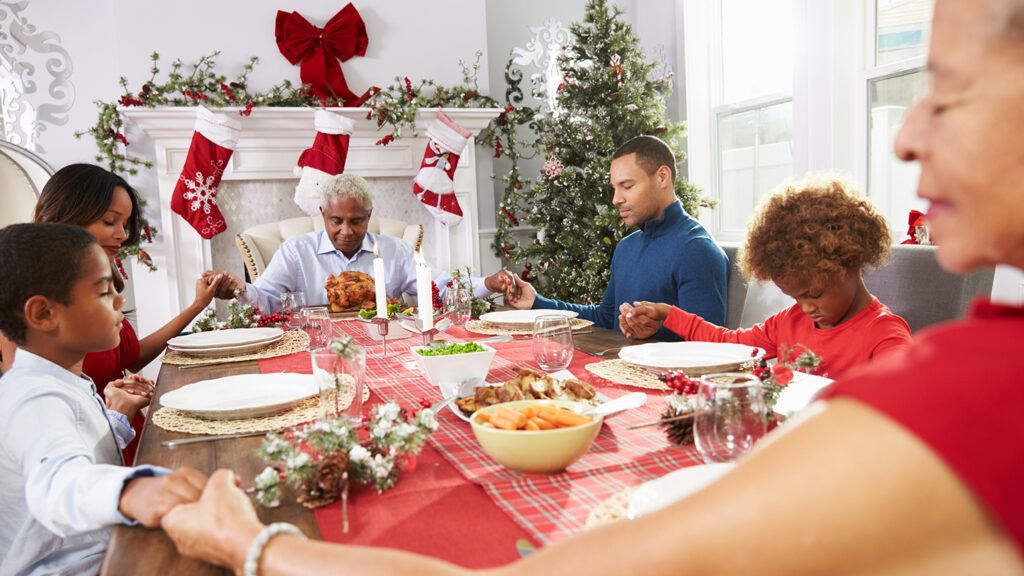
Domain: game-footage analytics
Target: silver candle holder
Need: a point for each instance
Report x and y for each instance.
(415, 325)
(382, 324)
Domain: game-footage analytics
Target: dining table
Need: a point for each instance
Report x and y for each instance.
(454, 503)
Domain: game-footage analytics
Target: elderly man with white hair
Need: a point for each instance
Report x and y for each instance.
(302, 264)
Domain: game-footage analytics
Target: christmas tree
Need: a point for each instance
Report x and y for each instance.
(609, 94)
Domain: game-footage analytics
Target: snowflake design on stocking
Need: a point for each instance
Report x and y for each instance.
(202, 192)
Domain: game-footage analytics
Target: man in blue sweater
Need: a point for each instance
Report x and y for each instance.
(671, 258)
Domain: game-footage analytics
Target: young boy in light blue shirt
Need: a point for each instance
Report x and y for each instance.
(63, 485)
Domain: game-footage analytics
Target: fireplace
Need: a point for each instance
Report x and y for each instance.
(259, 183)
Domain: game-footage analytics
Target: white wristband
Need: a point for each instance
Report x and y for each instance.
(252, 557)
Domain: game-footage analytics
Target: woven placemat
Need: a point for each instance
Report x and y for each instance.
(620, 372)
(481, 327)
(611, 510)
(293, 341)
(306, 411)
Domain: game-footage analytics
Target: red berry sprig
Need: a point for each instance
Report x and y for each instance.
(680, 383)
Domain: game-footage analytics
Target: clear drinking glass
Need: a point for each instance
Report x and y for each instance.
(552, 342)
(458, 301)
(730, 416)
(292, 304)
(341, 380)
(316, 321)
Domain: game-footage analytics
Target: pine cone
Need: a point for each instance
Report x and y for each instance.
(327, 481)
(678, 431)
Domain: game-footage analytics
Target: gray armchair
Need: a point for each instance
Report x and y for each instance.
(912, 285)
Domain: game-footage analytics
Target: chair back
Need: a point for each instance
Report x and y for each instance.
(22, 176)
(914, 286)
(259, 243)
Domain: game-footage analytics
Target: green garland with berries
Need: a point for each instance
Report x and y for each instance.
(394, 107)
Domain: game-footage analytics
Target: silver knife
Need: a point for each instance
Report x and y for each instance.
(181, 441)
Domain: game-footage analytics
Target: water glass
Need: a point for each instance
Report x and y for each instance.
(292, 304)
(316, 322)
(340, 380)
(458, 299)
(730, 416)
(552, 342)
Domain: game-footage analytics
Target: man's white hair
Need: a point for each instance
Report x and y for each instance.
(347, 186)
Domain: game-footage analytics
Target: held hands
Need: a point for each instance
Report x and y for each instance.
(206, 288)
(519, 293)
(147, 500)
(219, 527)
(641, 319)
(222, 282)
(499, 281)
(128, 395)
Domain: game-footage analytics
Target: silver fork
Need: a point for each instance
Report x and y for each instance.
(601, 353)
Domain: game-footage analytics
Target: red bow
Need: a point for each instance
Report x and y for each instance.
(319, 50)
(915, 219)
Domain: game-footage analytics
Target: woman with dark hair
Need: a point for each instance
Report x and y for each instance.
(107, 207)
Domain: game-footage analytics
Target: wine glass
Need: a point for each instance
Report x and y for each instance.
(316, 321)
(291, 305)
(340, 378)
(457, 302)
(552, 342)
(730, 416)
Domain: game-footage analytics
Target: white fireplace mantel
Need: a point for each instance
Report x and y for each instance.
(271, 141)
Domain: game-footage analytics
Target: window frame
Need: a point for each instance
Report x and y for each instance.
(871, 73)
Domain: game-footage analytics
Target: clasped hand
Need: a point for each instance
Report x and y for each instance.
(641, 319)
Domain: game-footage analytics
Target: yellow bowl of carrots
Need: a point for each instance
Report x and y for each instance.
(536, 436)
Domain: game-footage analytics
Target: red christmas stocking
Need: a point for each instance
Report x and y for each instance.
(434, 184)
(324, 160)
(195, 196)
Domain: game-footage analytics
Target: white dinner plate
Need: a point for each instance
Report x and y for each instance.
(224, 338)
(522, 318)
(225, 351)
(241, 396)
(693, 358)
(660, 492)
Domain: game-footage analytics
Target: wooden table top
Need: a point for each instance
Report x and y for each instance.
(137, 550)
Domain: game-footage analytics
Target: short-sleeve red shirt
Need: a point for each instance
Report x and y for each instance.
(960, 389)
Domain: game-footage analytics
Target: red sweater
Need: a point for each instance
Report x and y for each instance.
(109, 365)
(958, 389)
(872, 332)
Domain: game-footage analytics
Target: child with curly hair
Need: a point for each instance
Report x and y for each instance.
(813, 239)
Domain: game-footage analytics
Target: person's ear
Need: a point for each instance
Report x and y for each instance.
(41, 313)
(665, 176)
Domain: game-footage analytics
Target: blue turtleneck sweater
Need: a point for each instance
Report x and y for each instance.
(671, 259)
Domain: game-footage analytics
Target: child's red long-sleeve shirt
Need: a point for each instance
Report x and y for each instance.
(872, 332)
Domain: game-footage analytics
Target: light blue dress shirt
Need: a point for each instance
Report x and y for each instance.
(303, 264)
(61, 471)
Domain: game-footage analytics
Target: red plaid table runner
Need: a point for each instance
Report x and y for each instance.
(548, 507)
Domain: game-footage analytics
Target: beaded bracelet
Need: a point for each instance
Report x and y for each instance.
(252, 557)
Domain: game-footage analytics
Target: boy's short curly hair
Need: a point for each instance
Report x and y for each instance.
(819, 228)
(39, 259)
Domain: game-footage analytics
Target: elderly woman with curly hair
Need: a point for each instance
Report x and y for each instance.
(813, 239)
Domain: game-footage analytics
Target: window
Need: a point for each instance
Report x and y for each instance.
(892, 85)
(751, 105)
(754, 156)
(901, 29)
